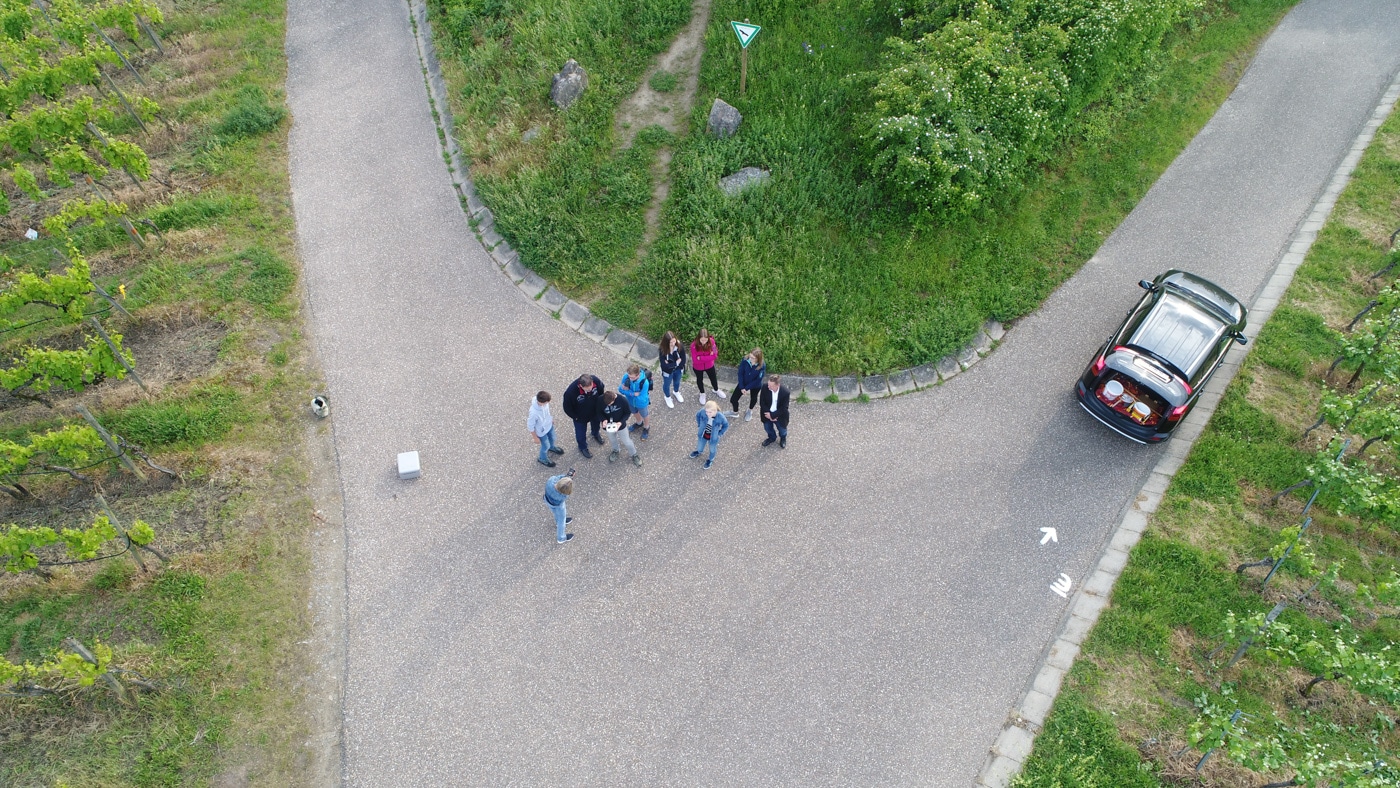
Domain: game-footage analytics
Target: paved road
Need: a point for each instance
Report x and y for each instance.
(863, 608)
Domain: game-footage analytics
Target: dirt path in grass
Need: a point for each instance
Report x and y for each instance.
(670, 111)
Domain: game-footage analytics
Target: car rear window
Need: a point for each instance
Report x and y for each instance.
(1122, 394)
(1179, 332)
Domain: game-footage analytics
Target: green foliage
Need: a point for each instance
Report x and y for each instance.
(206, 415)
(18, 544)
(97, 210)
(44, 369)
(65, 292)
(963, 113)
(250, 115)
(73, 445)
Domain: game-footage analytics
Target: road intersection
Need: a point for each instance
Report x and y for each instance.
(862, 608)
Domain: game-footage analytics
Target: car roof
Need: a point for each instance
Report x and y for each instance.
(1207, 291)
(1179, 331)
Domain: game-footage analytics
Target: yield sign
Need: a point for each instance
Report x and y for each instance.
(745, 32)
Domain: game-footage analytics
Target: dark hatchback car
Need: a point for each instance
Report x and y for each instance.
(1146, 377)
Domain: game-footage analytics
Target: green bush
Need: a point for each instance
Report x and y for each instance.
(963, 113)
(250, 115)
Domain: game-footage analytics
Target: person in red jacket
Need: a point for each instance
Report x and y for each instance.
(704, 352)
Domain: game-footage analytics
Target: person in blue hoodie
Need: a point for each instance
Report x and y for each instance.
(751, 371)
(636, 387)
(711, 426)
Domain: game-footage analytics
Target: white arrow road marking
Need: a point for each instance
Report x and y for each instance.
(1050, 535)
(1063, 585)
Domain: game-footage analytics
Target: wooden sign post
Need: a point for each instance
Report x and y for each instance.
(746, 33)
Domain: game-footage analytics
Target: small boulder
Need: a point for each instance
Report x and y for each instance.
(743, 179)
(724, 119)
(568, 84)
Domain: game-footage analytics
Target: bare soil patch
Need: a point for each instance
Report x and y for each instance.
(671, 111)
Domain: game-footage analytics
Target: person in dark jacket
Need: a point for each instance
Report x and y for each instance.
(751, 371)
(773, 404)
(672, 367)
(616, 412)
(583, 402)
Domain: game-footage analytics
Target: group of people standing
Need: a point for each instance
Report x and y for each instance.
(593, 409)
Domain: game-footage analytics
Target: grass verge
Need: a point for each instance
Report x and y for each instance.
(218, 338)
(1145, 671)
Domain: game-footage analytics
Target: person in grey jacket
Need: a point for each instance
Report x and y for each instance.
(711, 426)
(541, 427)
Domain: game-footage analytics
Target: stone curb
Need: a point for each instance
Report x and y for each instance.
(1013, 745)
(575, 315)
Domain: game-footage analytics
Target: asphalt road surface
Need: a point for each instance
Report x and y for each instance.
(863, 608)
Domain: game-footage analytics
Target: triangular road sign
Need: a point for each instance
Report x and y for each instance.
(745, 32)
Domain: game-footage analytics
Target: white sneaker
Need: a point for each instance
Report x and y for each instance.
(749, 415)
(669, 403)
(679, 398)
(720, 394)
(702, 398)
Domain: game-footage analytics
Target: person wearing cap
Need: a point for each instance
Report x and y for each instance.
(711, 426)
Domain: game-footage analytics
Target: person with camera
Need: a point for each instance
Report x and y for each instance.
(616, 413)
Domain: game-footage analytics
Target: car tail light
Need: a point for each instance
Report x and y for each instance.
(1099, 364)
(1186, 386)
(1177, 412)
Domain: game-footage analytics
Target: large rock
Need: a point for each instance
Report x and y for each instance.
(741, 180)
(724, 119)
(568, 84)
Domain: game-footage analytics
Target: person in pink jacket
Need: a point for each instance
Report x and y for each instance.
(704, 352)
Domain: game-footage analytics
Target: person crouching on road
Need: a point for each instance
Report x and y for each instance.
(711, 426)
(636, 387)
(751, 371)
(672, 367)
(541, 426)
(556, 496)
(773, 404)
(615, 416)
(583, 402)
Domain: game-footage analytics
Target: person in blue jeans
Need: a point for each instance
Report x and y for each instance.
(711, 426)
(672, 367)
(541, 426)
(751, 372)
(556, 496)
(636, 387)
